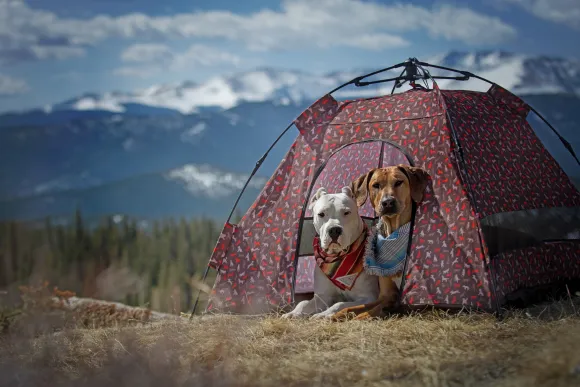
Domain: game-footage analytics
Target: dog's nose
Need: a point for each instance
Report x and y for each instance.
(388, 202)
(334, 232)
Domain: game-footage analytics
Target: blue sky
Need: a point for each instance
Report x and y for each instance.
(57, 49)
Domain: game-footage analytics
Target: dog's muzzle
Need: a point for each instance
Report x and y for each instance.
(388, 205)
(334, 233)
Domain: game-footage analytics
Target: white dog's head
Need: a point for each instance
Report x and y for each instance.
(336, 219)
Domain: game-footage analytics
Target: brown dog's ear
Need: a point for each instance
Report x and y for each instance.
(418, 179)
(360, 187)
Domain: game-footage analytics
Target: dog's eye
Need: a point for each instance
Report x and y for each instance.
(346, 213)
(398, 183)
(376, 185)
(321, 215)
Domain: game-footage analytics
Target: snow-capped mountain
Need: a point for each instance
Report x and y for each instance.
(281, 87)
(521, 74)
(104, 152)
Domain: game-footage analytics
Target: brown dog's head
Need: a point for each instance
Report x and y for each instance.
(391, 189)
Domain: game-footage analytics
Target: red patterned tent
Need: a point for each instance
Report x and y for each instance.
(499, 215)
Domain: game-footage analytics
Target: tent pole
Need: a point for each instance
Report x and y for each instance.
(356, 80)
(567, 145)
(256, 167)
(199, 291)
(397, 82)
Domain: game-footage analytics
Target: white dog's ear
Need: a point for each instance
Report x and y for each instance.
(320, 192)
(348, 192)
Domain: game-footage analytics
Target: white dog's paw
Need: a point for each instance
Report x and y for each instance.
(321, 316)
(291, 315)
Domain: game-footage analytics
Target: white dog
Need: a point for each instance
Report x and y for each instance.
(339, 251)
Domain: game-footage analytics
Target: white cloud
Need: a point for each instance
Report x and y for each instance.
(156, 57)
(209, 181)
(447, 21)
(12, 86)
(56, 52)
(27, 33)
(376, 41)
(192, 135)
(143, 52)
(558, 11)
(128, 144)
(200, 55)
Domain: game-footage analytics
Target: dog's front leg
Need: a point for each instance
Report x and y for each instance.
(357, 310)
(389, 292)
(387, 298)
(309, 307)
(330, 312)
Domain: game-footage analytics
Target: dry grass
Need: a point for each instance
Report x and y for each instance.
(540, 346)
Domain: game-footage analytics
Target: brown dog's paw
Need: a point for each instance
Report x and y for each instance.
(363, 316)
(342, 316)
(350, 313)
(376, 312)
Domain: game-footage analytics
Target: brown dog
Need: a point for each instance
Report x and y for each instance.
(391, 191)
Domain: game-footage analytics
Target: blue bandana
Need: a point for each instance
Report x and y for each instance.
(385, 256)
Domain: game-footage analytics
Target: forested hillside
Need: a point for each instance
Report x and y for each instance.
(118, 260)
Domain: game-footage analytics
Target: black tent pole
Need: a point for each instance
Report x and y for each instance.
(199, 291)
(567, 145)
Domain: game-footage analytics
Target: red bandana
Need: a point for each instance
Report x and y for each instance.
(343, 270)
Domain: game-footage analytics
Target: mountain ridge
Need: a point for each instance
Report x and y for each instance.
(520, 73)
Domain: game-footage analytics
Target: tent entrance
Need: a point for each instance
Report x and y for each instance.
(340, 169)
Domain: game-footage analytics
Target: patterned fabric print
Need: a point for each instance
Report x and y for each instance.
(446, 256)
(446, 263)
(516, 104)
(305, 275)
(346, 165)
(239, 279)
(219, 251)
(507, 167)
(393, 156)
(534, 266)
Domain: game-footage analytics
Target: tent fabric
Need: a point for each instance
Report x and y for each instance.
(510, 171)
(536, 266)
(491, 150)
